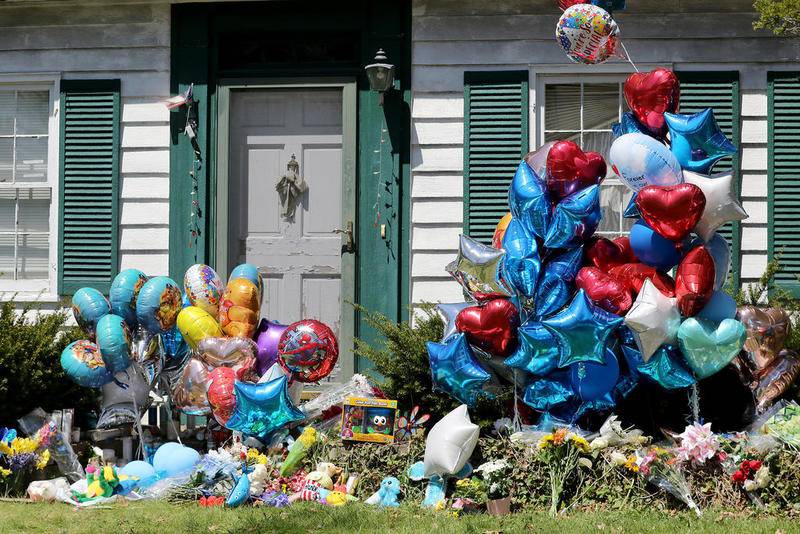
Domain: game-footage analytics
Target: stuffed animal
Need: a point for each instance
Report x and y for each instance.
(324, 474)
(388, 493)
(241, 490)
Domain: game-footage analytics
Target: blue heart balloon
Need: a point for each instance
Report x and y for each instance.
(528, 200)
(696, 140)
(574, 219)
(653, 249)
(708, 346)
(521, 262)
(556, 282)
(455, 369)
(537, 352)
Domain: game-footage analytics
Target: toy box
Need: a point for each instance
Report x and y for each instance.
(368, 419)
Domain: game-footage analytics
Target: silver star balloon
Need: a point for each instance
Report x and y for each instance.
(477, 269)
(449, 312)
(722, 205)
(654, 319)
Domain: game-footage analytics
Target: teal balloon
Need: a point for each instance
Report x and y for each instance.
(537, 352)
(122, 295)
(582, 330)
(142, 471)
(528, 201)
(556, 285)
(82, 362)
(113, 338)
(628, 124)
(594, 382)
(241, 490)
(88, 306)
(263, 408)
(574, 219)
(173, 459)
(547, 393)
(696, 140)
(456, 371)
(720, 306)
(632, 210)
(158, 304)
(521, 264)
(666, 368)
(248, 271)
(708, 346)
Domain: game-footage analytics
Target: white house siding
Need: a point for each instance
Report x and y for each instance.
(453, 36)
(121, 40)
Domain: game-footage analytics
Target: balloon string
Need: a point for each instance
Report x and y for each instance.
(695, 400)
(140, 448)
(517, 422)
(628, 56)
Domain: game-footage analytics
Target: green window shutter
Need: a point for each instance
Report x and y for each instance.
(784, 175)
(495, 139)
(89, 188)
(719, 91)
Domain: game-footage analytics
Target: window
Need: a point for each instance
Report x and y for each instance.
(583, 112)
(26, 169)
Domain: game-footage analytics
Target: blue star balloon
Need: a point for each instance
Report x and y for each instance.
(545, 394)
(521, 263)
(574, 219)
(556, 282)
(666, 368)
(696, 140)
(528, 200)
(631, 210)
(537, 351)
(263, 408)
(627, 125)
(582, 330)
(456, 370)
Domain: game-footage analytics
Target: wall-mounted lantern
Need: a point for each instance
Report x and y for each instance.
(380, 74)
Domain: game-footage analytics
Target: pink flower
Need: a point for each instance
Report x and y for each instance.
(698, 444)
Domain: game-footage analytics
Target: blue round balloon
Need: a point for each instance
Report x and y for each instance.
(175, 459)
(83, 363)
(719, 307)
(113, 338)
(594, 381)
(158, 304)
(88, 306)
(248, 271)
(143, 472)
(652, 249)
(720, 250)
(123, 293)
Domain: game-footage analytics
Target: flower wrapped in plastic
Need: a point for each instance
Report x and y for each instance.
(662, 469)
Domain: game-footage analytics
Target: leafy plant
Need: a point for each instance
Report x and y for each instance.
(30, 370)
(780, 16)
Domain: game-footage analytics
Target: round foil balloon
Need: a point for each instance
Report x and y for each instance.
(195, 325)
(587, 33)
(113, 339)
(158, 304)
(238, 311)
(217, 351)
(124, 292)
(203, 288)
(267, 338)
(500, 230)
(88, 306)
(248, 271)
(308, 350)
(640, 160)
(189, 392)
(82, 362)
(221, 394)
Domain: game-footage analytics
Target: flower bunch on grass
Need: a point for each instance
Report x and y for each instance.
(662, 468)
(19, 458)
(561, 450)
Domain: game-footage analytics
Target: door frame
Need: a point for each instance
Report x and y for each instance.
(220, 187)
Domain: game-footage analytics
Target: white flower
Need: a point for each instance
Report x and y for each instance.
(617, 458)
(491, 467)
(585, 462)
(762, 476)
(598, 443)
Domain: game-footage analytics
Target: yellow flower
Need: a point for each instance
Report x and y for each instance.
(5, 472)
(580, 443)
(545, 441)
(23, 445)
(5, 449)
(308, 437)
(44, 458)
(631, 465)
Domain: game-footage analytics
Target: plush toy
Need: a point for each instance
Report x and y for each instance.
(241, 490)
(298, 451)
(101, 481)
(324, 474)
(388, 493)
(338, 498)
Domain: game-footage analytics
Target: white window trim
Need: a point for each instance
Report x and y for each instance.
(44, 290)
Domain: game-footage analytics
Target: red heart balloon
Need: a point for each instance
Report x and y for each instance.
(650, 95)
(634, 275)
(491, 327)
(671, 211)
(570, 169)
(694, 281)
(605, 254)
(605, 290)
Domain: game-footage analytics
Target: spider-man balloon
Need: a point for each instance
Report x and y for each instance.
(308, 350)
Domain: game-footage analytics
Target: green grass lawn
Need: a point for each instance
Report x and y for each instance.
(164, 518)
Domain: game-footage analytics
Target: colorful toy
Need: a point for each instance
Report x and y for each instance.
(325, 474)
(241, 490)
(388, 493)
(411, 425)
(298, 450)
(369, 419)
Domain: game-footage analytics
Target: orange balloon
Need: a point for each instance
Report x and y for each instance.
(239, 308)
(500, 231)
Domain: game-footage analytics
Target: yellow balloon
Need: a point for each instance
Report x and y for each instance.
(196, 324)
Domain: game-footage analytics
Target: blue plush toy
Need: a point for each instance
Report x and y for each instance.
(388, 493)
(241, 491)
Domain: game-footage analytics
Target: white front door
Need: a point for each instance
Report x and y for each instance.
(300, 256)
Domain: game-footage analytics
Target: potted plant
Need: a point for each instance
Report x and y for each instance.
(469, 494)
(498, 489)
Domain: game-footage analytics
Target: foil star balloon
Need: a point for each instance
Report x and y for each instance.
(521, 263)
(263, 408)
(654, 319)
(696, 140)
(555, 284)
(627, 125)
(722, 205)
(528, 199)
(478, 269)
(574, 219)
(546, 393)
(581, 331)
(449, 312)
(631, 210)
(537, 352)
(666, 368)
(456, 370)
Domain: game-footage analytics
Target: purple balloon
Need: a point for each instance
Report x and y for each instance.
(267, 337)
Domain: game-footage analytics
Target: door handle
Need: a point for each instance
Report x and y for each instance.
(349, 245)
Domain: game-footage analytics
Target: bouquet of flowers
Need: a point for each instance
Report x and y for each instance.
(698, 445)
(19, 458)
(561, 450)
(662, 469)
(469, 493)
(495, 475)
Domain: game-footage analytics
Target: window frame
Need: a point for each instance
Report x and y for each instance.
(42, 288)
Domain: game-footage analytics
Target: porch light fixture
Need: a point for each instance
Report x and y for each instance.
(380, 74)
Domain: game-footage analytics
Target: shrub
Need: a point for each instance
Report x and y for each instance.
(30, 367)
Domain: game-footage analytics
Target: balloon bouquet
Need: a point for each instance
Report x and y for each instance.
(207, 345)
(575, 320)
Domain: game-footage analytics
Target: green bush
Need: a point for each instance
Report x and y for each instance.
(30, 366)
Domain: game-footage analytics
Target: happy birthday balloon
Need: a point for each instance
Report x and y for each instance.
(83, 363)
(697, 141)
(88, 306)
(196, 324)
(694, 281)
(652, 94)
(587, 33)
(574, 219)
(158, 304)
(113, 339)
(527, 196)
(203, 288)
(640, 160)
(570, 169)
(123, 294)
(709, 346)
(671, 211)
(239, 308)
